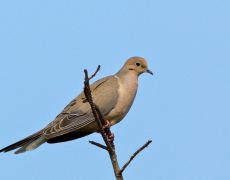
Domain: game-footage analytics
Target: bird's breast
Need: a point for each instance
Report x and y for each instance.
(127, 92)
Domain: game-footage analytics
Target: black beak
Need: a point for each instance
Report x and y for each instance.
(149, 71)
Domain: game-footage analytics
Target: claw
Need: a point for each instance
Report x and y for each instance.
(111, 137)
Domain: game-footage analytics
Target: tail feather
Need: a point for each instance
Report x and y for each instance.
(23, 142)
(32, 145)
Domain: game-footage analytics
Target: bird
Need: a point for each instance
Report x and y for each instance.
(114, 95)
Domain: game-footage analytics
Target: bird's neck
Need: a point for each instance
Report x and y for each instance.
(128, 78)
(125, 75)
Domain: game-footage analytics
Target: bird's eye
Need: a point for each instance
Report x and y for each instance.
(138, 64)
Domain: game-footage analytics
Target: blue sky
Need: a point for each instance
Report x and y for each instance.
(183, 108)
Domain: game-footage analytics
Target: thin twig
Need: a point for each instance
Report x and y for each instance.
(134, 155)
(95, 73)
(98, 145)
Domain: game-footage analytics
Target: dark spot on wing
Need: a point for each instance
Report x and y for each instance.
(84, 100)
(99, 85)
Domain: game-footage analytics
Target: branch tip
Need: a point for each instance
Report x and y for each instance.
(134, 155)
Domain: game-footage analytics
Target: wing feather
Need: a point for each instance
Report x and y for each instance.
(77, 114)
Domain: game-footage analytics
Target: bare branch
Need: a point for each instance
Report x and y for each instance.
(99, 119)
(134, 155)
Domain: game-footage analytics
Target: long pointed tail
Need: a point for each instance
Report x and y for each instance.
(26, 144)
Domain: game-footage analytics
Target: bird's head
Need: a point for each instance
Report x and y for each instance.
(138, 65)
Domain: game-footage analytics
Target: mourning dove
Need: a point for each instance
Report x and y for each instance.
(114, 96)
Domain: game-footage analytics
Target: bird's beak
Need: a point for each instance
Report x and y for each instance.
(149, 71)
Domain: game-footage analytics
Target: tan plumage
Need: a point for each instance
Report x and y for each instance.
(113, 94)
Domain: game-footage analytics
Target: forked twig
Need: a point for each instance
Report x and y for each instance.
(94, 108)
(100, 121)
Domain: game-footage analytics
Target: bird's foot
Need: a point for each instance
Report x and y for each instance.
(107, 125)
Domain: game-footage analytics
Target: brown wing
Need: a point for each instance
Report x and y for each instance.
(78, 113)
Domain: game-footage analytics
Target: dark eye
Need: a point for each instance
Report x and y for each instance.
(138, 64)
